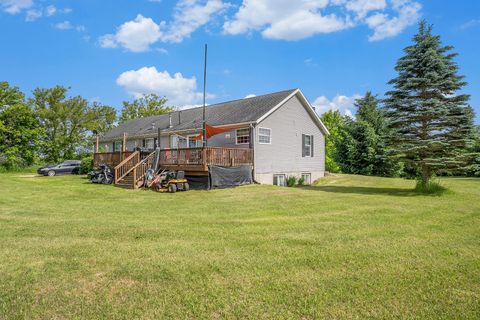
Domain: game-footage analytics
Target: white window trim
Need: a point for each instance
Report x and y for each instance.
(269, 135)
(310, 146)
(152, 141)
(284, 179)
(236, 136)
(196, 141)
(307, 174)
(173, 138)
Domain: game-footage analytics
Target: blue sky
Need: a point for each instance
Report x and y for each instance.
(334, 50)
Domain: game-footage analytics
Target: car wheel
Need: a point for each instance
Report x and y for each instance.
(51, 173)
(186, 186)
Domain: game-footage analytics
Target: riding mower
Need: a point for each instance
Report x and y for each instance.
(170, 181)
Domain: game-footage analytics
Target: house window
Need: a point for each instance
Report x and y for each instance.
(243, 136)
(307, 178)
(307, 145)
(177, 141)
(264, 135)
(150, 144)
(173, 142)
(279, 180)
(117, 146)
(192, 143)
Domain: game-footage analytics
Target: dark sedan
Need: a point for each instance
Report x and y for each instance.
(66, 167)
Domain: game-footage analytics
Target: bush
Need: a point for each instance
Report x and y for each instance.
(430, 187)
(291, 181)
(301, 181)
(87, 165)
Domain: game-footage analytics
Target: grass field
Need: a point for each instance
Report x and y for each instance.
(350, 248)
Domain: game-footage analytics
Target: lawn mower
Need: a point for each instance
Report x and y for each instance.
(170, 181)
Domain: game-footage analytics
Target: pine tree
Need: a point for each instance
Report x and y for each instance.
(363, 145)
(432, 122)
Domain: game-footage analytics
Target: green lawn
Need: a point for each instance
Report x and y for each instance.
(350, 248)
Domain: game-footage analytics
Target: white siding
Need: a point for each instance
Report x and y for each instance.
(284, 154)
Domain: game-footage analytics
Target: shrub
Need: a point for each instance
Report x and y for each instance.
(431, 187)
(291, 181)
(87, 165)
(301, 181)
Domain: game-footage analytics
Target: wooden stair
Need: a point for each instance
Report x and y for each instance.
(130, 173)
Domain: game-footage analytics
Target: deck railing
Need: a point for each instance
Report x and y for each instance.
(188, 159)
(110, 158)
(226, 157)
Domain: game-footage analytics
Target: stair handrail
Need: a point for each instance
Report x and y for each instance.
(137, 177)
(119, 176)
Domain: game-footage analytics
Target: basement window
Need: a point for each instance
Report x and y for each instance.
(279, 180)
(307, 178)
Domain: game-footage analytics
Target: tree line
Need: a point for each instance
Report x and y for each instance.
(424, 126)
(51, 126)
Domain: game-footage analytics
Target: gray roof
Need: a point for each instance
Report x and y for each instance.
(226, 113)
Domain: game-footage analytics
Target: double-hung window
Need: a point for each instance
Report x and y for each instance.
(150, 144)
(117, 146)
(243, 136)
(192, 143)
(307, 145)
(264, 135)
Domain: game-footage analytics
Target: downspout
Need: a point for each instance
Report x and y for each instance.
(252, 146)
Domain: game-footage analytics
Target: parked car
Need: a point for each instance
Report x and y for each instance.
(66, 167)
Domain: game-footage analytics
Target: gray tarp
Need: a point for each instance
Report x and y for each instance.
(228, 177)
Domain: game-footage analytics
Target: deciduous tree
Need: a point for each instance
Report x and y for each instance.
(146, 106)
(20, 131)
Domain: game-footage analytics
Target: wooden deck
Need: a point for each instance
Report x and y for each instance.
(194, 161)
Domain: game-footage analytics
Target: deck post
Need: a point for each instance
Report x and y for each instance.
(96, 144)
(204, 159)
(159, 132)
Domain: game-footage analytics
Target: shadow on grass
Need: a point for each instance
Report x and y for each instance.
(396, 192)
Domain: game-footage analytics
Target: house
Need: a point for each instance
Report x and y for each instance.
(277, 134)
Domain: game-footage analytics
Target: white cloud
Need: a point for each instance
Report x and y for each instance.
(295, 20)
(251, 95)
(189, 15)
(65, 25)
(15, 6)
(136, 35)
(33, 9)
(344, 104)
(51, 10)
(179, 90)
(386, 27)
(470, 24)
(363, 7)
(33, 15)
(140, 34)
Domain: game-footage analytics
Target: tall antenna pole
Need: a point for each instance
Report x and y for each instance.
(204, 129)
